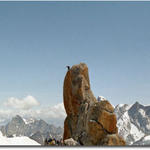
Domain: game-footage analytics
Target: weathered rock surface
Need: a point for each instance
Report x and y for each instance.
(71, 142)
(88, 121)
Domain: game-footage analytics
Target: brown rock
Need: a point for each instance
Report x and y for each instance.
(67, 133)
(77, 88)
(108, 121)
(95, 132)
(113, 140)
(67, 94)
(106, 105)
(69, 126)
(88, 121)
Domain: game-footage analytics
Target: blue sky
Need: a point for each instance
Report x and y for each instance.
(38, 39)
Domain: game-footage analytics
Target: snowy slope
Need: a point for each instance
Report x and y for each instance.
(143, 141)
(128, 130)
(35, 129)
(136, 133)
(127, 126)
(16, 141)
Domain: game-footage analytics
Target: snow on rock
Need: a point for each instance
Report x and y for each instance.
(148, 126)
(25, 121)
(136, 133)
(28, 121)
(133, 122)
(120, 109)
(146, 138)
(128, 130)
(148, 105)
(120, 105)
(92, 121)
(101, 98)
(125, 106)
(142, 112)
(124, 125)
(16, 141)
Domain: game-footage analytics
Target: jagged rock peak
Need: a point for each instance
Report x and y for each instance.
(18, 119)
(88, 121)
(77, 88)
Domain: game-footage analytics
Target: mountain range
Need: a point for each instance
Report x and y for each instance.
(37, 130)
(133, 123)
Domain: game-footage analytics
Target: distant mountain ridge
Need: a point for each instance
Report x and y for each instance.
(133, 123)
(37, 130)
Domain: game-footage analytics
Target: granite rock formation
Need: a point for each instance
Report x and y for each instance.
(88, 121)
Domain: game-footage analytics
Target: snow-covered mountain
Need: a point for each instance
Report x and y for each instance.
(17, 141)
(37, 130)
(134, 123)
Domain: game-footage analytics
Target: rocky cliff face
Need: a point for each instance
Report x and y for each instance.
(88, 121)
(134, 123)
